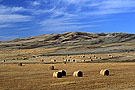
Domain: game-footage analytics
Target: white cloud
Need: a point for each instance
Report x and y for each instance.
(102, 6)
(35, 3)
(6, 25)
(111, 4)
(113, 7)
(9, 14)
(10, 18)
(7, 10)
(65, 14)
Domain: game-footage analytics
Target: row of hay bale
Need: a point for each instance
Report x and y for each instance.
(69, 60)
(59, 74)
(78, 73)
(62, 73)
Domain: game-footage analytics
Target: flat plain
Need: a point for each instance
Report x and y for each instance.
(39, 77)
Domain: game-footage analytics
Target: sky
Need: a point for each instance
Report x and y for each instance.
(25, 18)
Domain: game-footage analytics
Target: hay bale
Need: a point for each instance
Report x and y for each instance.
(83, 56)
(104, 72)
(57, 74)
(53, 60)
(78, 74)
(109, 55)
(51, 67)
(63, 72)
(4, 61)
(42, 60)
(83, 60)
(73, 60)
(64, 62)
(91, 59)
(20, 64)
(24, 58)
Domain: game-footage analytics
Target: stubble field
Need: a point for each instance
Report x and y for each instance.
(39, 77)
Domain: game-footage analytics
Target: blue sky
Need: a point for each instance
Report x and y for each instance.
(24, 18)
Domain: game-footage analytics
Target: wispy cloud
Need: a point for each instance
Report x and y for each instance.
(62, 15)
(10, 10)
(10, 18)
(5, 25)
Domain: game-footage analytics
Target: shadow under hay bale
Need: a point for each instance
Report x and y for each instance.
(57, 74)
(20, 64)
(63, 72)
(104, 72)
(78, 74)
(51, 68)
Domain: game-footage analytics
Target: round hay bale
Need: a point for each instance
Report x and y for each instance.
(20, 64)
(83, 60)
(42, 60)
(4, 61)
(73, 60)
(64, 62)
(78, 74)
(63, 72)
(51, 67)
(54, 60)
(104, 72)
(57, 74)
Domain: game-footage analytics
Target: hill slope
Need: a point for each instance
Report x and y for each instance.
(67, 39)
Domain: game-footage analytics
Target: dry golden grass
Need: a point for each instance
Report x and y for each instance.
(39, 77)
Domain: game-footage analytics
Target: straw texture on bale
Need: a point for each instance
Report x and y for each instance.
(57, 74)
(78, 74)
(83, 60)
(51, 67)
(104, 72)
(20, 64)
(63, 72)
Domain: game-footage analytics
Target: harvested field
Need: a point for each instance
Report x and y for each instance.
(39, 77)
